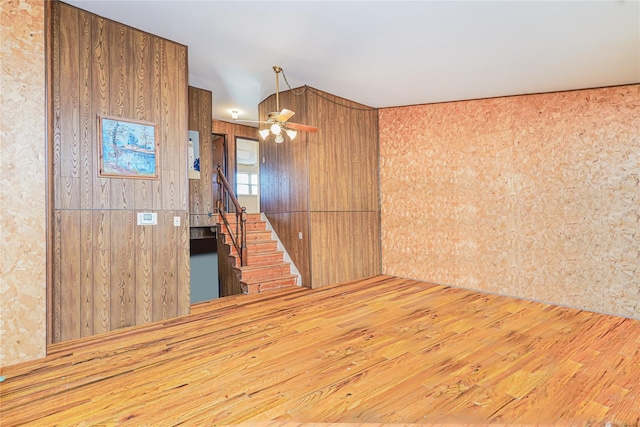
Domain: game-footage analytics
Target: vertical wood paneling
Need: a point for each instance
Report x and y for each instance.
(202, 192)
(164, 235)
(69, 109)
(144, 274)
(331, 179)
(183, 285)
(269, 202)
(122, 294)
(70, 304)
(100, 100)
(87, 116)
(287, 225)
(229, 282)
(86, 273)
(156, 82)
(335, 258)
(105, 266)
(120, 84)
(343, 160)
(196, 187)
(142, 96)
(181, 127)
(142, 65)
(168, 151)
(170, 259)
(101, 248)
(284, 176)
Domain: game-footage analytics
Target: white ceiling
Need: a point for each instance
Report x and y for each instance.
(392, 53)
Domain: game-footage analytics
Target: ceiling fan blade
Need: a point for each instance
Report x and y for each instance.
(284, 115)
(304, 128)
(251, 121)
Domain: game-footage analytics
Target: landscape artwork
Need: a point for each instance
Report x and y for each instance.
(128, 148)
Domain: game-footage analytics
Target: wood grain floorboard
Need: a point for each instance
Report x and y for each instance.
(379, 351)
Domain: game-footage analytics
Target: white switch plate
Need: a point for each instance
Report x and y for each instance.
(147, 218)
(176, 221)
(300, 235)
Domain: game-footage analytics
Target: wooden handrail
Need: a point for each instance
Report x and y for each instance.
(228, 188)
(239, 237)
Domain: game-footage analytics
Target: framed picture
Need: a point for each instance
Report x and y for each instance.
(128, 148)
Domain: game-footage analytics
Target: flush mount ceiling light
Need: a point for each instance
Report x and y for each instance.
(234, 114)
(278, 121)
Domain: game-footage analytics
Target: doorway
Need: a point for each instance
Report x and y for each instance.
(248, 173)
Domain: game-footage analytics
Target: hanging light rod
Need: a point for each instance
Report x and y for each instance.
(277, 121)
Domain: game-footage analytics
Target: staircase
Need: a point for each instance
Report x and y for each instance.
(265, 267)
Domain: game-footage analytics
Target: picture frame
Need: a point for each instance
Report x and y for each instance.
(128, 148)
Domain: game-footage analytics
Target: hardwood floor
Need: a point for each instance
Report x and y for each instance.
(381, 350)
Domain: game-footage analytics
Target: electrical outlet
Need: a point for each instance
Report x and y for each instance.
(176, 221)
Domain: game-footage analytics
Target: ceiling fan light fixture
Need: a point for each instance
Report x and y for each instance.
(276, 129)
(264, 133)
(277, 121)
(292, 133)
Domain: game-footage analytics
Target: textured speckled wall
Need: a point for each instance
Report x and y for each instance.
(533, 196)
(22, 182)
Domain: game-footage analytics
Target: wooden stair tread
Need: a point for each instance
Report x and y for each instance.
(258, 242)
(257, 254)
(266, 269)
(260, 267)
(255, 246)
(270, 279)
(260, 235)
(258, 259)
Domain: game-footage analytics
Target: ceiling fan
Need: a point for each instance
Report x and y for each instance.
(279, 120)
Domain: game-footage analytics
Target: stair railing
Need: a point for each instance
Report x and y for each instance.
(226, 196)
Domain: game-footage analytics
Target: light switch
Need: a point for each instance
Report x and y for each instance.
(300, 235)
(176, 221)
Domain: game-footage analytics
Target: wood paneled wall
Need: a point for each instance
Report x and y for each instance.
(229, 281)
(535, 196)
(343, 158)
(284, 185)
(325, 185)
(202, 192)
(108, 272)
(288, 225)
